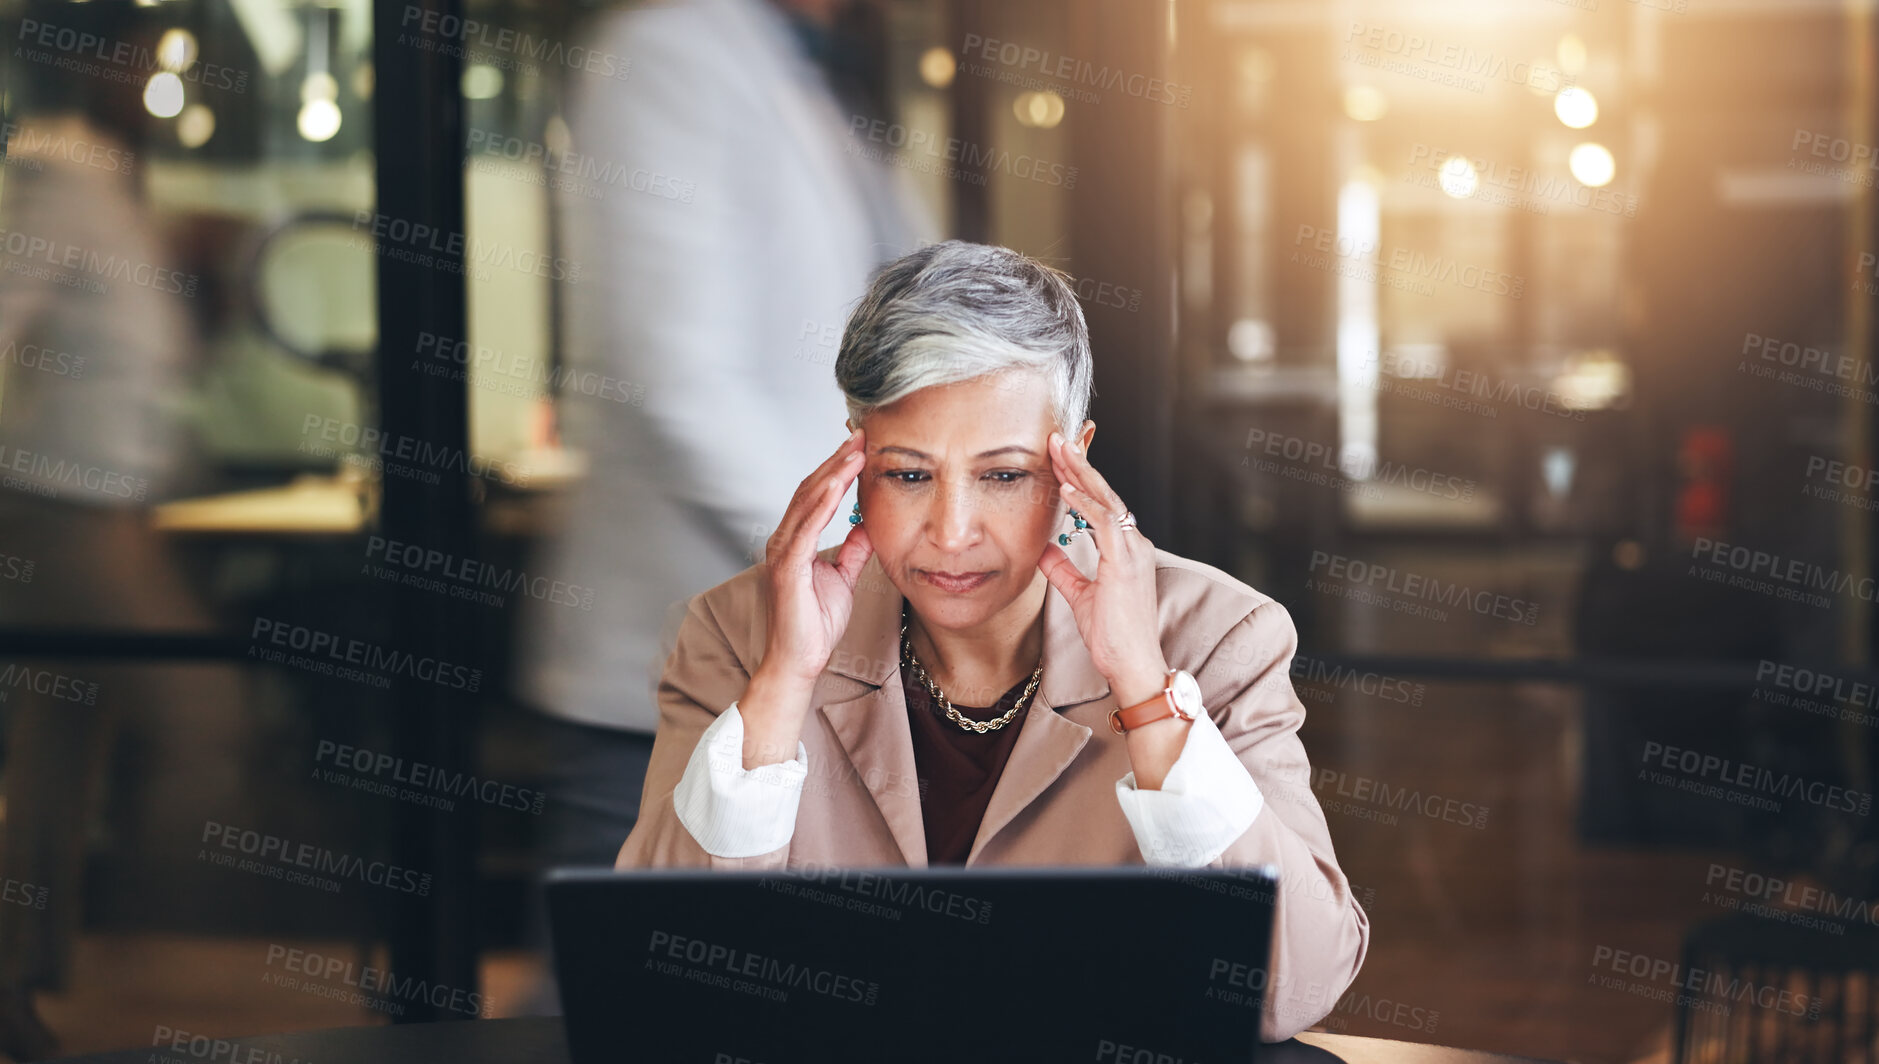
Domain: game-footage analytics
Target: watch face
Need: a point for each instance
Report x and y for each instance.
(1186, 692)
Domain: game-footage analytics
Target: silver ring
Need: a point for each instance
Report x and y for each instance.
(1127, 521)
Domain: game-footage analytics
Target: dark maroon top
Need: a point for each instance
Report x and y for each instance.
(957, 769)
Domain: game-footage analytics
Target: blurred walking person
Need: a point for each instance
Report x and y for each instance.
(718, 281)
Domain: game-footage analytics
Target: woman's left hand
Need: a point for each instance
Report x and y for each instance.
(1116, 613)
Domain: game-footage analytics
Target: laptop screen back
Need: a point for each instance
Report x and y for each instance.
(1108, 965)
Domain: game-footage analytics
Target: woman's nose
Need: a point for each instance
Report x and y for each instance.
(955, 519)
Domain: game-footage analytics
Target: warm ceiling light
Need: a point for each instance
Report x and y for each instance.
(318, 120)
(163, 96)
(195, 126)
(481, 82)
(1039, 110)
(1592, 164)
(1458, 177)
(176, 50)
(1576, 107)
(937, 67)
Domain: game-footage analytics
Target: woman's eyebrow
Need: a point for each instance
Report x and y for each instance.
(897, 449)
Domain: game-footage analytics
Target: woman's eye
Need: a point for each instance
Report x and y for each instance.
(921, 476)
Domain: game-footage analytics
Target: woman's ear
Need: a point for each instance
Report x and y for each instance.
(1085, 435)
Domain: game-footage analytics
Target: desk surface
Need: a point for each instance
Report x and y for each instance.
(310, 506)
(539, 1041)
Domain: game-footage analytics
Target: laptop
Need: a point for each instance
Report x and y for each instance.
(835, 965)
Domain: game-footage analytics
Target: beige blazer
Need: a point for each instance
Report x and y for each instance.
(1055, 804)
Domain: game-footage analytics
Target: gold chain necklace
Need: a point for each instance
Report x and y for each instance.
(908, 659)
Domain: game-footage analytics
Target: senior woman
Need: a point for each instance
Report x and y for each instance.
(996, 666)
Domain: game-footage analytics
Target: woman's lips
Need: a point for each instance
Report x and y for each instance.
(955, 583)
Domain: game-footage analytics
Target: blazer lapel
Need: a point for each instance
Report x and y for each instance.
(878, 741)
(1046, 746)
(873, 728)
(875, 735)
(1050, 741)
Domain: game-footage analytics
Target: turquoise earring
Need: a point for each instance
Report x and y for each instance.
(854, 516)
(1064, 538)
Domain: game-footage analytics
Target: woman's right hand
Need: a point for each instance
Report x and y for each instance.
(810, 600)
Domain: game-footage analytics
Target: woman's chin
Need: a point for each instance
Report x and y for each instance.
(963, 609)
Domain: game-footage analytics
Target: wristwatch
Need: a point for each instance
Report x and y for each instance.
(1179, 697)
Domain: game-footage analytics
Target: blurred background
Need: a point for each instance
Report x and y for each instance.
(376, 379)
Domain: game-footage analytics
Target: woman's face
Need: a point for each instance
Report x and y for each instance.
(958, 496)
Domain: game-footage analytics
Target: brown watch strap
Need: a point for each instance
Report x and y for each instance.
(1160, 707)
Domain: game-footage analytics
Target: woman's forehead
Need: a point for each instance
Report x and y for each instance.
(974, 409)
(1018, 392)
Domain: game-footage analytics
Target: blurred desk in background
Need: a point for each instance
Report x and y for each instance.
(528, 503)
(309, 506)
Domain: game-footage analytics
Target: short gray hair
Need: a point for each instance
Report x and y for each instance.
(955, 310)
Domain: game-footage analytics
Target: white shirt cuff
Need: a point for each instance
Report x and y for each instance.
(733, 811)
(1207, 800)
